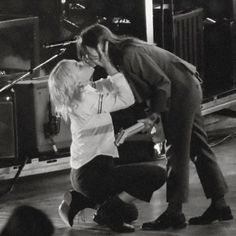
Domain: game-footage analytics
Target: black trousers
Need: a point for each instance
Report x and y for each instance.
(184, 129)
(100, 179)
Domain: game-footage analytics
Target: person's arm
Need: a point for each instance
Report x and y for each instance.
(104, 60)
(119, 97)
(117, 93)
(104, 85)
(150, 78)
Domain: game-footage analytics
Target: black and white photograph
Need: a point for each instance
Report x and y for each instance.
(117, 117)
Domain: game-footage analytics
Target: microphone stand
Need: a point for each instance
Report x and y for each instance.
(47, 46)
(21, 166)
(31, 71)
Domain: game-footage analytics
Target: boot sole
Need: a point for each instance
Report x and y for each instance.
(150, 228)
(211, 221)
(226, 218)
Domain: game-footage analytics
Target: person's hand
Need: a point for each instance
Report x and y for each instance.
(149, 122)
(104, 60)
(103, 54)
(148, 125)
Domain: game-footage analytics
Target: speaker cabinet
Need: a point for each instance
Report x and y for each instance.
(8, 147)
(32, 100)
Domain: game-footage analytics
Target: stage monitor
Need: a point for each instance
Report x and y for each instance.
(19, 40)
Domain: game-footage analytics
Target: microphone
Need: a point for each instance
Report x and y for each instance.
(62, 44)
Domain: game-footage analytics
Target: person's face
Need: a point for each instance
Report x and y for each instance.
(91, 56)
(84, 72)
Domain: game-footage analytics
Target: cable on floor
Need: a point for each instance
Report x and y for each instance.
(223, 140)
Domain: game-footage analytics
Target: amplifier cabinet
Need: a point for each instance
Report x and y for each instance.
(32, 100)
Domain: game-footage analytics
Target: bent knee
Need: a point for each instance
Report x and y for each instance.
(159, 175)
(163, 175)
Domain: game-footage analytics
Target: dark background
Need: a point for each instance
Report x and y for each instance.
(61, 20)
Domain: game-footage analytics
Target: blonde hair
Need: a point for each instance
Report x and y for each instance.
(64, 84)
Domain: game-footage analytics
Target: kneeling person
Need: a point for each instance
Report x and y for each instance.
(95, 178)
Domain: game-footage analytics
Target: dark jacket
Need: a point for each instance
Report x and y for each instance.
(157, 75)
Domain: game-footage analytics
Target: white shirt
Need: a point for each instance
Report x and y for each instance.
(91, 123)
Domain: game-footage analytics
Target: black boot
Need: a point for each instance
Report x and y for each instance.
(72, 203)
(166, 220)
(212, 214)
(129, 212)
(110, 214)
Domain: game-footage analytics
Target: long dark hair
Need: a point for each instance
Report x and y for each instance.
(98, 33)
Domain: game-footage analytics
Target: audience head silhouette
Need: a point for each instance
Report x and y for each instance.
(28, 221)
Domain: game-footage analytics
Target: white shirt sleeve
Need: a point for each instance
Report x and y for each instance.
(121, 97)
(104, 85)
(118, 96)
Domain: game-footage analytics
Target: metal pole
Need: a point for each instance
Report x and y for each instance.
(149, 20)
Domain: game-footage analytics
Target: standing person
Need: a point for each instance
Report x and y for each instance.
(172, 87)
(94, 177)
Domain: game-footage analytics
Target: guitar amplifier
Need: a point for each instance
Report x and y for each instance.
(32, 105)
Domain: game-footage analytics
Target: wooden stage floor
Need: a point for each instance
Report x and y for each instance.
(46, 192)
